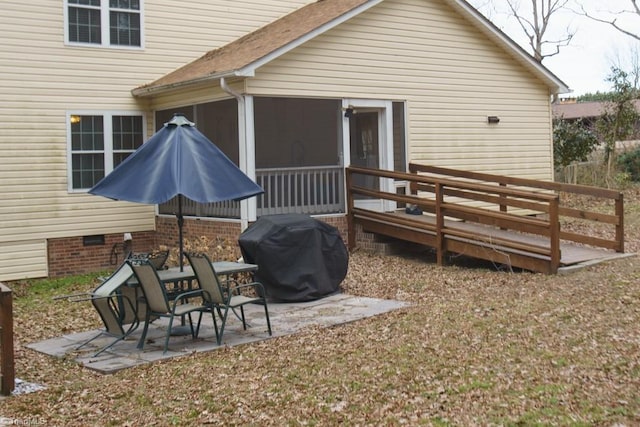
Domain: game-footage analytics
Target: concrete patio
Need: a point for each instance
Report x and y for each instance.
(286, 319)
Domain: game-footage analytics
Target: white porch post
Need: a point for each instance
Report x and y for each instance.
(247, 152)
(248, 209)
(246, 149)
(386, 152)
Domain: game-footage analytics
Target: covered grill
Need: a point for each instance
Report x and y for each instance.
(299, 258)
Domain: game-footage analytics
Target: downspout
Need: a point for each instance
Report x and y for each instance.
(242, 141)
(225, 87)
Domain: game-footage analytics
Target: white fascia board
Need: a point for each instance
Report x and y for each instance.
(141, 92)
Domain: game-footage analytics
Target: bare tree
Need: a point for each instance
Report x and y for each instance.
(612, 17)
(629, 61)
(537, 25)
(535, 21)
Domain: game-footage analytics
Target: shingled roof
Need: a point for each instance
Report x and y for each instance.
(583, 110)
(235, 57)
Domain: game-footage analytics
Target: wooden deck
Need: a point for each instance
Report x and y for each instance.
(500, 219)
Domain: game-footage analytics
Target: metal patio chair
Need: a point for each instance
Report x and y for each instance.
(221, 299)
(116, 305)
(158, 304)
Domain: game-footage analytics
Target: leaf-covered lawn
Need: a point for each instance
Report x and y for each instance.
(477, 347)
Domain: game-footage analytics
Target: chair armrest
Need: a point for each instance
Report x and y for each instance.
(230, 285)
(188, 294)
(88, 296)
(255, 285)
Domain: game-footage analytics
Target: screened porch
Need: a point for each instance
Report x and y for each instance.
(298, 154)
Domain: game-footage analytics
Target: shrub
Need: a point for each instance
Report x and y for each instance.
(629, 162)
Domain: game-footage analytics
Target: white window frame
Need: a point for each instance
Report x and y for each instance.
(105, 35)
(108, 151)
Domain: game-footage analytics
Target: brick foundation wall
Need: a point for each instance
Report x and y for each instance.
(167, 227)
(339, 222)
(371, 242)
(167, 234)
(70, 256)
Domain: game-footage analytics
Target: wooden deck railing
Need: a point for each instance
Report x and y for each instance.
(615, 220)
(7, 367)
(454, 198)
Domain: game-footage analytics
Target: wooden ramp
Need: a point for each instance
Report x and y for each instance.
(570, 253)
(501, 219)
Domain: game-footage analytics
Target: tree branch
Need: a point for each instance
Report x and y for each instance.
(613, 22)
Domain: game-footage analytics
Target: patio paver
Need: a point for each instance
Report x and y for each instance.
(286, 319)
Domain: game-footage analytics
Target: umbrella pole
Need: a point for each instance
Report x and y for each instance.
(180, 223)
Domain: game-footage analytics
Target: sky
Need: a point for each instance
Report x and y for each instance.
(585, 64)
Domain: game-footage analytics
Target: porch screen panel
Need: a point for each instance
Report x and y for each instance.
(399, 140)
(298, 152)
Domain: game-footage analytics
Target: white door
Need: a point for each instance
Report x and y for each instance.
(367, 132)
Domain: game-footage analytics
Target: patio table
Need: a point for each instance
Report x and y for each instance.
(174, 277)
(222, 268)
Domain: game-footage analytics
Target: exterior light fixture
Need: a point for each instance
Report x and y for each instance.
(349, 112)
(493, 119)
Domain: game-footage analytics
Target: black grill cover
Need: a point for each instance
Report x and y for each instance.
(298, 257)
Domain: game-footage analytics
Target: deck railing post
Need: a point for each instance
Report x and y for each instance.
(503, 207)
(7, 367)
(554, 234)
(351, 240)
(620, 224)
(440, 252)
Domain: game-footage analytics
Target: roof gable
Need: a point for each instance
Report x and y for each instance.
(244, 55)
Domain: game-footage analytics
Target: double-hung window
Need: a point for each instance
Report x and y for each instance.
(104, 22)
(98, 143)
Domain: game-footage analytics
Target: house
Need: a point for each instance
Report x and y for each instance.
(571, 109)
(293, 91)
(587, 113)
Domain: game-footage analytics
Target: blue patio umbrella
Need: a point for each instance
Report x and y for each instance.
(178, 160)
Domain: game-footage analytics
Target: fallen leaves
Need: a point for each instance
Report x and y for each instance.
(476, 347)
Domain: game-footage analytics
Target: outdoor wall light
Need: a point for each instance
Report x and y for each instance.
(493, 119)
(348, 113)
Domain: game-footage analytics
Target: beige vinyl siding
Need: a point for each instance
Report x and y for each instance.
(42, 80)
(207, 24)
(23, 260)
(450, 74)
